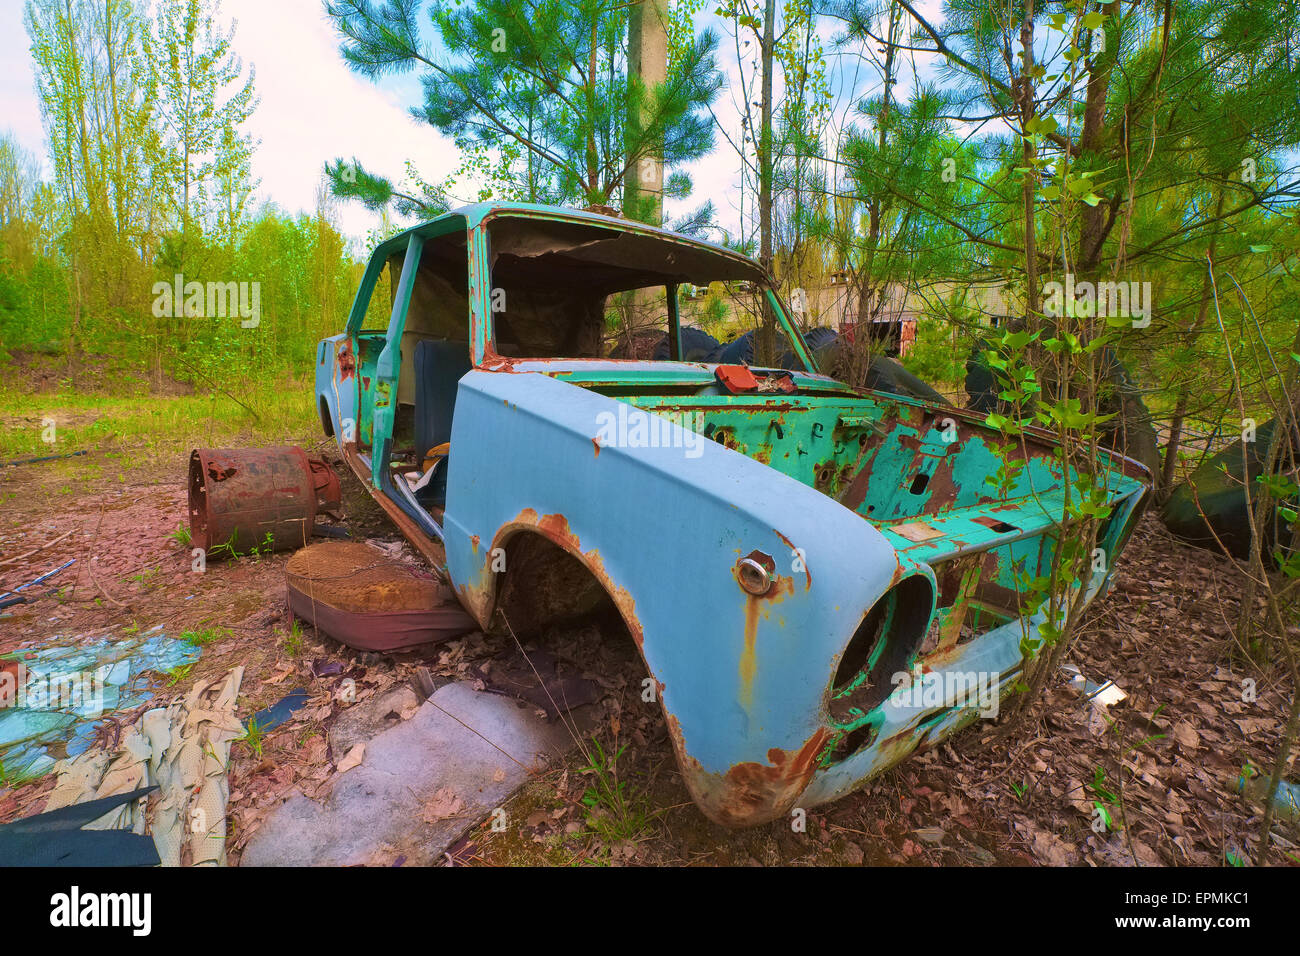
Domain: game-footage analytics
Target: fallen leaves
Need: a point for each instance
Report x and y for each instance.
(352, 758)
(1186, 735)
(283, 671)
(444, 803)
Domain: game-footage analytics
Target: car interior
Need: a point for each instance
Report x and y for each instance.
(559, 290)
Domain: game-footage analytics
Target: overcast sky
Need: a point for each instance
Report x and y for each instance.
(313, 109)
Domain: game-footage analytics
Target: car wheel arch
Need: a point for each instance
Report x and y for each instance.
(516, 533)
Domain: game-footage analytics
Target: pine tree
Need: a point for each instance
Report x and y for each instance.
(534, 94)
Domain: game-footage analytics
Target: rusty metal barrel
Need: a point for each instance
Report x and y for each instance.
(245, 499)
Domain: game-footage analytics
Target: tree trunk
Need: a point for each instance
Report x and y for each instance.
(647, 59)
(1026, 83)
(765, 140)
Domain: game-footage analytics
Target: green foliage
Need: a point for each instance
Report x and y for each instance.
(201, 152)
(536, 95)
(206, 636)
(159, 196)
(615, 811)
(293, 641)
(938, 354)
(349, 180)
(178, 674)
(253, 738)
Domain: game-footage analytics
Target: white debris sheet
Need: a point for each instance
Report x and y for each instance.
(184, 749)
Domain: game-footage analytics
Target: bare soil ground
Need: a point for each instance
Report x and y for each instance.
(1164, 768)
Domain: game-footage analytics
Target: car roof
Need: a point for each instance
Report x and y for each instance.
(475, 214)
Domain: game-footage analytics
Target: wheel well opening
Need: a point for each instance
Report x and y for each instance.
(545, 589)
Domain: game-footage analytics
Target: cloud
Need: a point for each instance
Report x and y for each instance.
(314, 109)
(20, 111)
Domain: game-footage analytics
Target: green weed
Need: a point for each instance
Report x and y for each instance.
(615, 813)
(206, 636)
(178, 674)
(293, 641)
(252, 739)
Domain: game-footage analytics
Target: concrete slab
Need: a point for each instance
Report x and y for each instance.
(365, 721)
(421, 785)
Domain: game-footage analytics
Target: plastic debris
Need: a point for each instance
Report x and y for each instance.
(1103, 695)
(1252, 783)
(1097, 698)
(32, 461)
(55, 838)
(12, 597)
(279, 712)
(326, 668)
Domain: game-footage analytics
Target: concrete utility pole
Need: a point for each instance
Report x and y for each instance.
(647, 58)
(765, 339)
(765, 141)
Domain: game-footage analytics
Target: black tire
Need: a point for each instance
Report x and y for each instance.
(1131, 432)
(737, 352)
(1217, 489)
(888, 375)
(697, 346)
(981, 385)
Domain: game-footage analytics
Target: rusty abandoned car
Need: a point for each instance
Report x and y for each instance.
(779, 545)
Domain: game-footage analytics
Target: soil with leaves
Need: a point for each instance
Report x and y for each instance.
(1151, 780)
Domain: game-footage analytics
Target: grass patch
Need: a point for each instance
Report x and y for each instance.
(615, 812)
(153, 428)
(206, 636)
(294, 644)
(146, 578)
(252, 739)
(178, 674)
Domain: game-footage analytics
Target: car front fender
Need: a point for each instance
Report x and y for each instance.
(744, 680)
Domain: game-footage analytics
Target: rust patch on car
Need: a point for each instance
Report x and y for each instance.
(494, 361)
(751, 792)
(803, 559)
(782, 585)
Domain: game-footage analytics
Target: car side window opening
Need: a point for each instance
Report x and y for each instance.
(380, 307)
